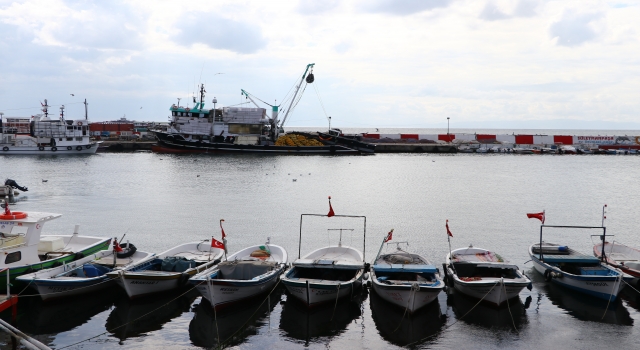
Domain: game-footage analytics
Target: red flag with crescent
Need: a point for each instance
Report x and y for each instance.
(216, 243)
(331, 213)
(539, 216)
(448, 231)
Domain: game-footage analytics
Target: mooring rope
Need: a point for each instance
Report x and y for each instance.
(612, 291)
(335, 305)
(412, 295)
(508, 306)
(66, 291)
(220, 345)
(125, 324)
(456, 321)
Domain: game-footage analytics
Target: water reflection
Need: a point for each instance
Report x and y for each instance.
(234, 324)
(586, 307)
(308, 325)
(37, 317)
(402, 329)
(487, 315)
(132, 318)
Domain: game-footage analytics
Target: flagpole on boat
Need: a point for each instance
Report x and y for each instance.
(384, 240)
(604, 234)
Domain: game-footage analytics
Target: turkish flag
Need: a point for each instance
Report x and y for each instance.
(221, 229)
(389, 236)
(117, 247)
(331, 213)
(539, 216)
(448, 231)
(216, 244)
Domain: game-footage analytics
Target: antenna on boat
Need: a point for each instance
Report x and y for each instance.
(86, 114)
(340, 229)
(604, 233)
(62, 112)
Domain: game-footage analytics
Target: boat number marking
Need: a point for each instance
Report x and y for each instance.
(38, 226)
(598, 284)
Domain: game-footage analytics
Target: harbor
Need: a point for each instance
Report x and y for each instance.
(487, 217)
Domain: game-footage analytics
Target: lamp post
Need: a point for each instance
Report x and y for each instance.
(448, 130)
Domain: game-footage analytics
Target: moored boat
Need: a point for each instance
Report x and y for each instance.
(168, 270)
(82, 276)
(251, 272)
(26, 250)
(620, 256)
(405, 279)
(581, 272)
(238, 129)
(40, 134)
(484, 275)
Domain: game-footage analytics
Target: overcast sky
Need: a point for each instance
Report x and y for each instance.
(379, 63)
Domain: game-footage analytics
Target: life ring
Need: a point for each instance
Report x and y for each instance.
(128, 250)
(5, 148)
(13, 216)
(79, 148)
(41, 148)
(80, 123)
(54, 148)
(69, 148)
(547, 275)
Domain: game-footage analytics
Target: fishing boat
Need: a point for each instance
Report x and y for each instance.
(405, 279)
(41, 134)
(82, 276)
(484, 275)
(26, 250)
(251, 272)
(326, 274)
(581, 272)
(621, 257)
(168, 270)
(239, 129)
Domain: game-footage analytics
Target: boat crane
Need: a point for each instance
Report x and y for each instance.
(309, 78)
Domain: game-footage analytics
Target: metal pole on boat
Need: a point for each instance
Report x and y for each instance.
(540, 257)
(604, 233)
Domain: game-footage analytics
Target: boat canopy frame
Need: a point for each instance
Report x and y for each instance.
(604, 234)
(364, 239)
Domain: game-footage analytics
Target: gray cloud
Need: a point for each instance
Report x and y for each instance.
(314, 7)
(574, 29)
(221, 33)
(404, 7)
(492, 13)
(524, 8)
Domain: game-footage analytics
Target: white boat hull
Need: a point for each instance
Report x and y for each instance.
(405, 297)
(316, 293)
(490, 290)
(604, 287)
(55, 290)
(140, 284)
(223, 293)
(47, 150)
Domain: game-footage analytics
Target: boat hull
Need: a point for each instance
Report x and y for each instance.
(406, 297)
(140, 284)
(167, 143)
(54, 288)
(316, 293)
(224, 293)
(604, 287)
(48, 150)
(493, 291)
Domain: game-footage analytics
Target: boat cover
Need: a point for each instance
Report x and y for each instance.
(571, 259)
(405, 268)
(480, 257)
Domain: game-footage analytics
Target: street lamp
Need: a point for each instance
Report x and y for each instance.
(448, 129)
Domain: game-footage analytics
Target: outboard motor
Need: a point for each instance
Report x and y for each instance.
(12, 183)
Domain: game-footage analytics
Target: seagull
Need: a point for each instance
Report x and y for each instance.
(198, 176)
(43, 180)
(140, 107)
(72, 95)
(294, 180)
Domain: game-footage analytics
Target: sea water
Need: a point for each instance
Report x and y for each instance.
(158, 201)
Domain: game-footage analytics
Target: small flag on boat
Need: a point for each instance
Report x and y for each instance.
(117, 246)
(331, 213)
(223, 234)
(448, 231)
(389, 236)
(216, 243)
(539, 216)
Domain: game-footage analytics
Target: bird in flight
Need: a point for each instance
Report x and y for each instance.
(72, 95)
(140, 107)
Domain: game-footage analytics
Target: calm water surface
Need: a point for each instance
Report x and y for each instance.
(160, 201)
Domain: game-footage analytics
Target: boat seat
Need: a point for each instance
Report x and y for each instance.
(621, 257)
(90, 271)
(405, 268)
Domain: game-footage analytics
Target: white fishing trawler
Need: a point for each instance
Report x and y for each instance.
(41, 134)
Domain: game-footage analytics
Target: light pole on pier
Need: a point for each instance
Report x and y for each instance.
(448, 129)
